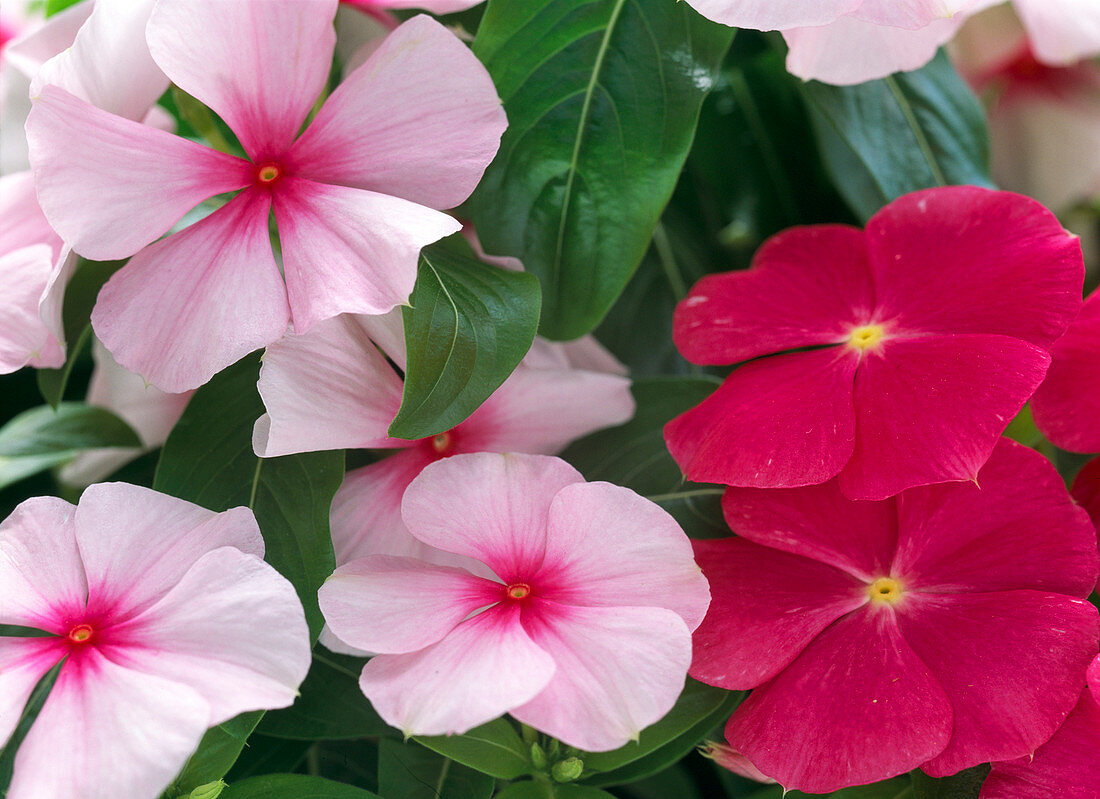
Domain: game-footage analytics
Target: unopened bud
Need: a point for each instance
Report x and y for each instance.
(212, 790)
(567, 770)
(538, 757)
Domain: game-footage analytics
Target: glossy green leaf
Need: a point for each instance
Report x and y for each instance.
(966, 784)
(602, 99)
(330, 705)
(494, 748)
(544, 789)
(909, 131)
(26, 719)
(409, 771)
(470, 324)
(293, 786)
(217, 752)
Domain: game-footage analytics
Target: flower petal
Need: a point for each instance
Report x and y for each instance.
(259, 64)
(962, 259)
(608, 547)
(419, 120)
(232, 629)
(619, 669)
(931, 409)
(1061, 31)
(1067, 405)
(1011, 663)
(485, 667)
(856, 706)
(395, 605)
(776, 422)
(807, 286)
(769, 15)
(22, 222)
(188, 306)
(24, 337)
(959, 537)
(40, 566)
(110, 186)
(23, 662)
(137, 543)
(496, 508)
(327, 389)
(766, 607)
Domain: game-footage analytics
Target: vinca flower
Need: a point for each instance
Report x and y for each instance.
(584, 632)
(892, 357)
(940, 629)
(168, 622)
(1067, 405)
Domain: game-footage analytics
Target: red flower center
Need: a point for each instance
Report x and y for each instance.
(518, 590)
(81, 634)
(268, 173)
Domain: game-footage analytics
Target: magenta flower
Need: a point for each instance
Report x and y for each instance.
(940, 629)
(1067, 766)
(168, 620)
(1086, 490)
(409, 131)
(584, 633)
(892, 357)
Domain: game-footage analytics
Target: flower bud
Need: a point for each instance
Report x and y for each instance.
(538, 757)
(567, 770)
(212, 790)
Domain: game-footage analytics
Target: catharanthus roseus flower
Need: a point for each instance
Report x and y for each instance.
(1086, 490)
(1066, 767)
(409, 131)
(584, 634)
(895, 356)
(168, 622)
(940, 629)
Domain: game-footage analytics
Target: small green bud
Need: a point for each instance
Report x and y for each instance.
(538, 756)
(567, 770)
(212, 790)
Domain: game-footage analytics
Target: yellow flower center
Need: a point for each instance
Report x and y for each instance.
(81, 633)
(268, 173)
(865, 337)
(441, 443)
(885, 589)
(518, 590)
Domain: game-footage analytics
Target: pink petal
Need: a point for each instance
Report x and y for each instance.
(962, 259)
(348, 250)
(817, 522)
(259, 64)
(608, 547)
(484, 668)
(807, 286)
(40, 566)
(24, 337)
(110, 186)
(37, 44)
(232, 629)
(959, 537)
(1086, 490)
(123, 733)
(1065, 767)
(188, 306)
(583, 353)
(729, 758)
(496, 508)
(109, 64)
(136, 543)
(931, 409)
(52, 304)
(776, 422)
(619, 669)
(1061, 31)
(768, 15)
(911, 14)
(851, 50)
(543, 410)
(1067, 405)
(327, 389)
(396, 605)
(434, 6)
(1011, 664)
(856, 706)
(23, 662)
(419, 120)
(1094, 678)
(767, 606)
(22, 222)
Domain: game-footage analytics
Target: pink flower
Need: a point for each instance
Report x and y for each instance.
(584, 633)
(896, 355)
(1086, 490)
(1066, 767)
(168, 620)
(409, 131)
(729, 758)
(940, 629)
(1067, 405)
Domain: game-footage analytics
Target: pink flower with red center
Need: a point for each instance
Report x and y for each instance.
(584, 632)
(168, 622)
(409, 131)
(890, 357)
(1066, 767)
(940, 629)
(1067, 405)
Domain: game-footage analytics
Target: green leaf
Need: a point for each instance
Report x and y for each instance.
(909, 131)
(57, 6)
(30, 712)
(217, 752)
(602, 99)
(293, 786)
(964, 785)
(470, 324)
(330, 705)
(409, 771)
(699, 709)
(494, 748)
(541, 789)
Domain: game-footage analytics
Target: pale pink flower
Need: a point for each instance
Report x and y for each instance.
(582, 633)
(410, 131)
(169, 623)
